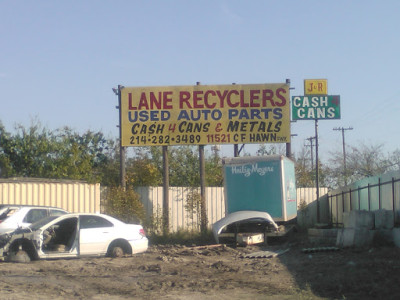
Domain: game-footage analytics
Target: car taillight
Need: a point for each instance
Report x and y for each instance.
(142, 232)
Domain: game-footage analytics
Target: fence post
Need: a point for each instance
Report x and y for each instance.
(342, 205)
(351, 206)
(379, 193)
(331, 213)
(369, 198)
(337, 211)
(393, 202)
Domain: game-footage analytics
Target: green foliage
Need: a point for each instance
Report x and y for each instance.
(146, 168)
(214, 172)
(63, 154)
(305, 171)
(124, 205)
(142, 170)
(193, 206)
(184, 166)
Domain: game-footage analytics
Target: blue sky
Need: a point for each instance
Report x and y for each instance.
(59, 60)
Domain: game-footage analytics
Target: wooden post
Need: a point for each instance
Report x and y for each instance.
(203, 202)
(165, 191)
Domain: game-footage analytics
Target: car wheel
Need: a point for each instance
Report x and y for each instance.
(117, 251)
(20, 256)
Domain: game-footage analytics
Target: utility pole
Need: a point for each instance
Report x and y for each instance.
(342, 129)
(310, 139)
(289, 144)
(122, 170)
(317, 168)
(202, 166)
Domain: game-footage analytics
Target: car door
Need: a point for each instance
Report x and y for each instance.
(58, 238)
(95, 234)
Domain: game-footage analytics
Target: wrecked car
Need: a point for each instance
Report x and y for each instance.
(245, 228)
(73, 235)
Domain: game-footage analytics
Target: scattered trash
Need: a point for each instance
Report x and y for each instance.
(319, 249)
(265, 254)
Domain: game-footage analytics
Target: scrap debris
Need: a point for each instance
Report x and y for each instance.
(319, 249)
(266, 254)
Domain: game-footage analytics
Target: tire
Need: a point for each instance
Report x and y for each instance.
(117, 251)
(19, 257)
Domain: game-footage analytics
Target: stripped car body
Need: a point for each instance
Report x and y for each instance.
(244, 227)
(73, 235)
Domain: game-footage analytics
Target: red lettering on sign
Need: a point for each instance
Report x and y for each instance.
(229, 99)
(222, 97)
(143, 102)
(184, 97)
(254, 97)
(206, 99)
(267, 95)
(130, 106)
(281, 97)
(197, 97)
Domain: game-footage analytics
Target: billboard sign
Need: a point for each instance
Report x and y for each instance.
(315, 107)
(205, 114)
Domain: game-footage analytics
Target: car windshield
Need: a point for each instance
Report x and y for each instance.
(42, 222)
(6, 212)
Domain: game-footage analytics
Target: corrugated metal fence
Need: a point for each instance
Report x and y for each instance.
(184, 204)
(70, 195)
(372, 193)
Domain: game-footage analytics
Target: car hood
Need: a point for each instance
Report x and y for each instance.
(240, 216)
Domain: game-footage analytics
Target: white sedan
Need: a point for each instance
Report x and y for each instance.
(73, 235)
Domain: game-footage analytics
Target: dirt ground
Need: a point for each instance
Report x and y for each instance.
(212, 272)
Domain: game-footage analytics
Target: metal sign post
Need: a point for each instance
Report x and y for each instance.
(317, 168)
(316, 105)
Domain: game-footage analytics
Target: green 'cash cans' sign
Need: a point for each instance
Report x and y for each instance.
(315, 107)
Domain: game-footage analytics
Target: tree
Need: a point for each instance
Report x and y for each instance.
(63, 154)
(80, 156)
(142, 170)
(29, 152)
(305, 174)
(6, 169)
(362, 161)
(305, 170)
(275, 149)
(124, 205)
(214, 174)
(183, 167)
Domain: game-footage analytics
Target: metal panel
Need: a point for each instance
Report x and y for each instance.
(305, 196)
(180, 214)
(71, 196)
